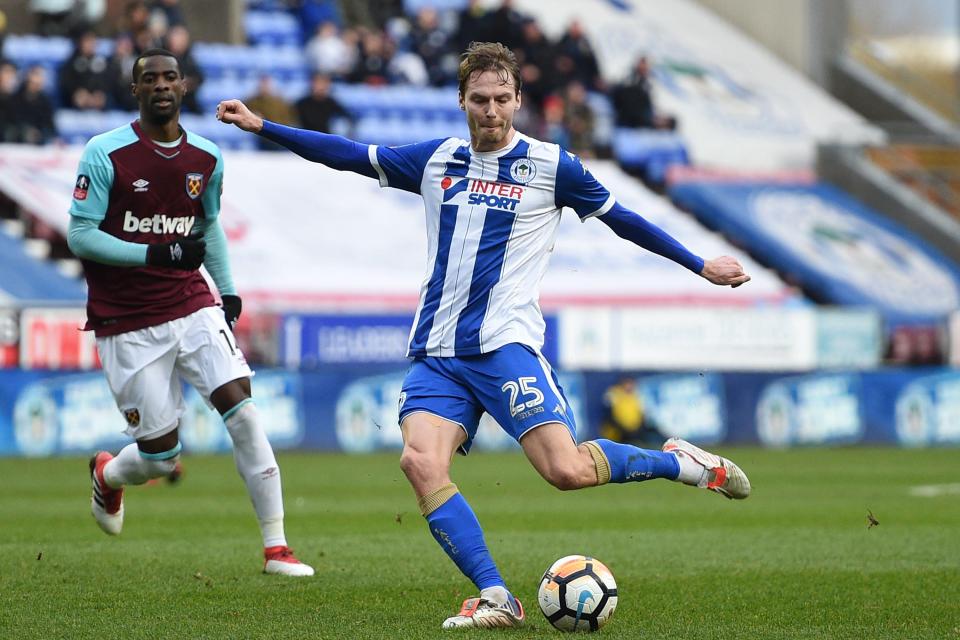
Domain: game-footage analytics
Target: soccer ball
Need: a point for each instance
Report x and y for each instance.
(577, 593)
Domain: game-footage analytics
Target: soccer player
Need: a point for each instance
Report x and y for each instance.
(144, 217)
(492, 206)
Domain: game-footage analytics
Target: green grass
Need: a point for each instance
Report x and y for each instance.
(796, 560)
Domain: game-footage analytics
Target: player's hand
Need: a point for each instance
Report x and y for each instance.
(235, 112)
(724, 271)
(232, 306)
(185, 253)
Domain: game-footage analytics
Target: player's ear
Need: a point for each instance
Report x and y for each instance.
(519, 101)
(463, 107)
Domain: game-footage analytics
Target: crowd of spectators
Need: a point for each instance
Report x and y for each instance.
(350, 41)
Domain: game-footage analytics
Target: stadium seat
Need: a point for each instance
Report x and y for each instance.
(36, 280)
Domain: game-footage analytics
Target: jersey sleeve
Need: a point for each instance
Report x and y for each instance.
(211, 195)
(578, 189)
(402, 167)
(91, 192)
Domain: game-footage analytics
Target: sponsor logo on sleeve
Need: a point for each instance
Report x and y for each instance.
(81, 188)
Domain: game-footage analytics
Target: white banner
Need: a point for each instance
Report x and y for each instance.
(303, 235)
(683, 338)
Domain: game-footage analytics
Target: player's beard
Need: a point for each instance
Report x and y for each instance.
(162, 115)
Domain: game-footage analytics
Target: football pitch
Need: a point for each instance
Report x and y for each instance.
(795, 560)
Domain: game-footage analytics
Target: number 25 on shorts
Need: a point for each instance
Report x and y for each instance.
(523, 386)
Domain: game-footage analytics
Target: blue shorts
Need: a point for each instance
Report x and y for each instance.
(514, 384)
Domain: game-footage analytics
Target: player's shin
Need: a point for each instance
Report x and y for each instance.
(132, 466)
(619, 463)
(454, 525)
(258, 468)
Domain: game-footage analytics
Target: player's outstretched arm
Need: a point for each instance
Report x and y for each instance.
(331, 150)
(724, 271)
(235, 112)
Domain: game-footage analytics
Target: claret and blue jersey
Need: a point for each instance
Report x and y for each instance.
(492, 221)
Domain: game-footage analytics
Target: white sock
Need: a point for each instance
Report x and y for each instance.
(129, 467)
(258, 468)
(691, 471)
(497, 595)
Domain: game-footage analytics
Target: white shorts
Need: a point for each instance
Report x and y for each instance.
(144, 367)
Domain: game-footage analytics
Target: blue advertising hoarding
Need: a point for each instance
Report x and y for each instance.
(310, 341)
(354, 409)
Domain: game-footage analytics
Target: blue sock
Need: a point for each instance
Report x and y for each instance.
(633, 464)
(456, 528)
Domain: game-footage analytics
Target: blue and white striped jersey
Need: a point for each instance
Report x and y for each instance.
(492, 220)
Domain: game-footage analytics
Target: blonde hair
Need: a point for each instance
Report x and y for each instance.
(488, 56)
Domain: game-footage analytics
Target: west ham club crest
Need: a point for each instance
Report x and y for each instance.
(194, 185)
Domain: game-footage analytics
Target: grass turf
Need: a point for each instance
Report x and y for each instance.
(796, 560)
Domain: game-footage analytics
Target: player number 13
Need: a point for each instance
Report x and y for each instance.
(522, 386)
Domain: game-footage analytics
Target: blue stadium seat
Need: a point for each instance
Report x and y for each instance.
(35, 280)
(649, 152)
(29, 50)
(411, 7)
(276, 28)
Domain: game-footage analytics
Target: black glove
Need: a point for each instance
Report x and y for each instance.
(232, 306)
(183, 253)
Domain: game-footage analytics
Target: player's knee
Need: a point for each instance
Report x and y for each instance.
(564, 478)
(419, 466)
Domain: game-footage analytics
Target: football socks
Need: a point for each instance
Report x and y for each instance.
(626, 463)
(258, 468)
(131, 466)
(455, 527)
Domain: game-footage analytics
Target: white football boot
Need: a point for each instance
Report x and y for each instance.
(721, 475)
(484, 614)
(281, 561)
(106, 503)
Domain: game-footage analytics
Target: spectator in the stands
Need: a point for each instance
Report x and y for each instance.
(121, 68)
(432, 44)
(32, 109)
(144, 40)
(370, 15)
(268, 104)
(472, 25)
(317, 109)
(314, 13)
(3, 29)
(579, 120)
(554, 128)
(575, 58)
(374, 59)
(170, 10)
(329, 53)
(8, 89)
(178, 43)
(54, 17)
(633, 101)
(85, 80)
(505, 24)
(536, 49)
(136, 17)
